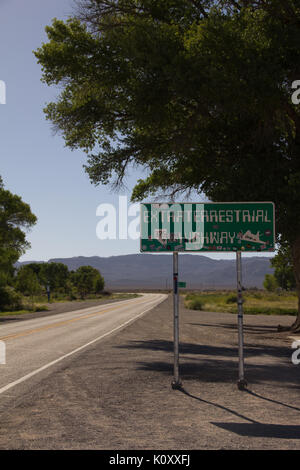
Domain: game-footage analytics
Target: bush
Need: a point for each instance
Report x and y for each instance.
(232, 299)
(270, 283)
(270, 311)
(195, 304)
(106, 293)
(257, 295)
(72, 295)
(9, 299)
(88, 281)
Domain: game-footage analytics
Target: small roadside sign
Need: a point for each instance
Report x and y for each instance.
(181, 284)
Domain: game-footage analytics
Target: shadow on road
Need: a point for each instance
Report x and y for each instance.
(279, 431)
(253, 428)
(271, 400)
(233, 326)
(209, 363)
(7, 319)
(202, 349)
(216, 405)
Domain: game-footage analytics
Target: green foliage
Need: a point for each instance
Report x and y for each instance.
(263, 302)
(231, 299)
(88, 280)
(198, 93)
(15, 217)
(31, 281)
(55, 275)
(9, 299)
(284, 269)
(195, 303)
(270, 283)
(33, 278)
(27, 282)
(98, 284)
(261, 310)
(70, 289)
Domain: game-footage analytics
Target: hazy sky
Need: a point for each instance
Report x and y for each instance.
(34, 163)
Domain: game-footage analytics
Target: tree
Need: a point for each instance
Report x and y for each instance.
(270, 283)
(98, 284)
(198, 93)
(55, 275)
(284, 269)
(15, 218)
(88, 280)
(27, 282)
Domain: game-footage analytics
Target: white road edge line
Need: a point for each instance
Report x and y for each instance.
(37, 371)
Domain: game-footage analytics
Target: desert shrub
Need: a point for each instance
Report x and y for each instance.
(195, 304)
(106, 293)
(270, 310)
(257, 295)
(231, 299)
(270, 283)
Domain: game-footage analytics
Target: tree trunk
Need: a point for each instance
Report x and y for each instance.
(295, 247)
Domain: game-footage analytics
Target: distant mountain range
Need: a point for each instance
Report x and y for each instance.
(144, 271)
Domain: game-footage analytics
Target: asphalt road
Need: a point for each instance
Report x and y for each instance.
(33, 346)
(116, 393)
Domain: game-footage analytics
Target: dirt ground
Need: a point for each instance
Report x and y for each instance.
(117, 394)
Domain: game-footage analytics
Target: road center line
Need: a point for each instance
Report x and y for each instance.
(37, 371)
(61, 323)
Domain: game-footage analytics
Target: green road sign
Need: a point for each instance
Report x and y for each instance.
(222, 226)
(181, 284)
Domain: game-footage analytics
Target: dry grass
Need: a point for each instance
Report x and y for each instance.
(255, 302)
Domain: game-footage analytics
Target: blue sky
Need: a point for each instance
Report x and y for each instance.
(35, 163)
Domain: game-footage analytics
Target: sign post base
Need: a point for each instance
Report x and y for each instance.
(176, 385)
(242, 384)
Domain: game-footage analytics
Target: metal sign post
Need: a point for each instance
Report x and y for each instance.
(48, 292)
(241, 381)
(176, 383)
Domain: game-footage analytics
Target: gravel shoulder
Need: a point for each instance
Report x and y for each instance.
(117, 393)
